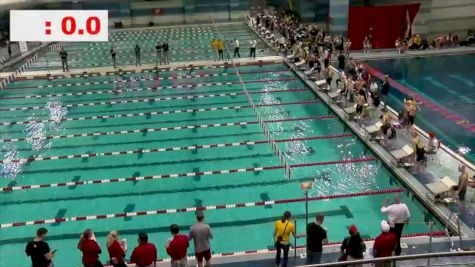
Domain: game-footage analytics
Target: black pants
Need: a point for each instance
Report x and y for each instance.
(137, 60)
(113, 61)
(252, 53)
(279, 247)
(220, 54)
(64, 64)
(236, 52)
(398, 231)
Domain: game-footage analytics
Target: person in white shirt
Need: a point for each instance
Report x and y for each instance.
(398, 216)
(253, 44)
(236, 48)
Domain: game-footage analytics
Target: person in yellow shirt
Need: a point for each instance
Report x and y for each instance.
(221, 49)
(282, 230)
(214, 47)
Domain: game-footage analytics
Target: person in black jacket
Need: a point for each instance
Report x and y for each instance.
(352, 247)
(64, 59)
(165, 48)
(113, 54)
(137, 55)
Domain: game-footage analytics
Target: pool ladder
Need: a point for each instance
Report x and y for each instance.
(457, 220)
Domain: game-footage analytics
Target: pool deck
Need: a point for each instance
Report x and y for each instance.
(141, 69)
(392, 53)
(415, 181)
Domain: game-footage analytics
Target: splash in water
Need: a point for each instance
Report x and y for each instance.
(13, 163)
(36, 135)
(57, 112)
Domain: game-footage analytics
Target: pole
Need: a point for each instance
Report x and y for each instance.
(306, 208)
(295, 241)
(430, 242)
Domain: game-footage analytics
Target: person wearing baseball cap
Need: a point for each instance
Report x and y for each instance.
(352, 247)
(384, 244)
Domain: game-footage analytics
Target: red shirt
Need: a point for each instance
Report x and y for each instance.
(144, 254)
(115, 251)
(178, 247)
(90, 252)
(384, 244)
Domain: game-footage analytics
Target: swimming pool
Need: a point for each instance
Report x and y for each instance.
(201, 147)
(447, 83)
(187, 43)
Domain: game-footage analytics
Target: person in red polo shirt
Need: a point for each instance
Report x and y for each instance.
(90, 249)
(384, 244)
(177, 247)
(145, 254)
(116, 249)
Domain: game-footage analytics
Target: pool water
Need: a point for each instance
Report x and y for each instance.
(288, 102)
(188, 43)
(447, 81)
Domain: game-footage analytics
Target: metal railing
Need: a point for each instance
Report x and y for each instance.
(399, 258)
(457, 221)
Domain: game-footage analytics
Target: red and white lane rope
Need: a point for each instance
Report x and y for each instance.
(155, 150)
(193, 209)
(171, 128)
(188, 174)
(186, 96)
(155, 88)
(154, 113)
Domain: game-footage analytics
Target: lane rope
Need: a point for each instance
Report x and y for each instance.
(185, 96)
(189, 174)
(194, 209)
(155, 88)
(154, 70)
(194, 147)
(171, 128)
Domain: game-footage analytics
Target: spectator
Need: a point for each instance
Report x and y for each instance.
(116, 249)
(64, 59)
(316, 238)
(398, 216)
(352, 247)
(282, 230)
(158, 51)
(177, 247)
(165, 49)
(461, 188)
(137, 55)
(385, 91)
(252, 52)
(220, 49)
(347, 47)
(113, 55)
(366, 45)
(236, 48)
(384, 244)
(145, 254)
(433, 144)
(9, 49)
(201, 234)
(398, 45)
(329, 76)
(39, 250)
(90, 249)
(341, 62)
(214, 47)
